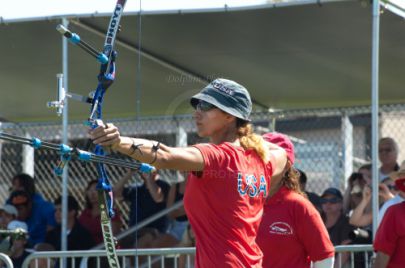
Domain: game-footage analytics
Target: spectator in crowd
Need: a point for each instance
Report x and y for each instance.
(229, 176)
(178, 220)
(8, 220)
(392, 189)
(362, 215)
(8, 213)
(43, 262)
(365, 171)
(354, 192)
(24, 182)
(290, 223)
(387, 190)
(388, 154)
(145, 201)
(336, 221)
(389, 242)
(399, 197)
(18, 244)
(39, 215)
(78, 237)
(313, 197)
(91, 215)
(188, 240)
(177, 225)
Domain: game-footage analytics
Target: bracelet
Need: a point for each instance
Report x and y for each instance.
(154, 149)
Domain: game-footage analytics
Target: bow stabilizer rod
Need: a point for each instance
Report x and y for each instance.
(75, 39)
(76, 153)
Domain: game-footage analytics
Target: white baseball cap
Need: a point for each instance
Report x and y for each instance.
(14, 225)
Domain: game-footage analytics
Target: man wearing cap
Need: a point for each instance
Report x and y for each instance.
(292, 233)
(9, 221)
(389, 241)
(8, 213)
(229, 176)
(398, 198)
(38, 216)
(18, 243)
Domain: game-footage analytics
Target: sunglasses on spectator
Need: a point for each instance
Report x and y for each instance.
(392, 187)
(203, 106)
(385, 150)
(333, 200)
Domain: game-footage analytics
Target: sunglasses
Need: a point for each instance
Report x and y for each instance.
(392, 187)
(385, 150)
(203, 106)
(333, 200)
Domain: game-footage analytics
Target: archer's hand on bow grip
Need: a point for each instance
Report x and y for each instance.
(106, 135)
(107, 78)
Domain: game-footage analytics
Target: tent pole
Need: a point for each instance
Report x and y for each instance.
(374, 110)
(65, 23)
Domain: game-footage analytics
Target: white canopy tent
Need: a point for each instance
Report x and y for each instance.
(46, 9)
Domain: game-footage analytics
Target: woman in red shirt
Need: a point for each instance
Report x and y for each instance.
(90, 216)
(389, 241)
(229, 176)
(292, 233)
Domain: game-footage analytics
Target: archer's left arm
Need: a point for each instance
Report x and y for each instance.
(148, 151)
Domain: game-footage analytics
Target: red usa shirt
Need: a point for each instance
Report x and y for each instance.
(292, 233)
(224, 206)
(390, 237)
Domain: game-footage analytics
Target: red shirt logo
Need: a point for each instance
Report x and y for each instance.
(281, 228)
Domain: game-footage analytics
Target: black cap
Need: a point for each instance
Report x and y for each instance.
(20, 198)
(332, 191)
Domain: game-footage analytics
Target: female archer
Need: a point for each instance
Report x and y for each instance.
(229, 176)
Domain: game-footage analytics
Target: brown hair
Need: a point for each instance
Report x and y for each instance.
(89, 205)
(250, 140)
(291, 180)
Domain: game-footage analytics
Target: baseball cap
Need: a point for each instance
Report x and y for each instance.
(227, 96)
(399, 177)
(283, 141)
(14, 225)
(19, 228)
(400, 184)
(19, 198)
(10, 209)
(332, 191)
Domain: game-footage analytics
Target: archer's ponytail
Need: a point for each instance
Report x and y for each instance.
(250, 140)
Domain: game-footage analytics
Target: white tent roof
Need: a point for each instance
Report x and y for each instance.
(52, 9)
(396, 6)
(300, 56)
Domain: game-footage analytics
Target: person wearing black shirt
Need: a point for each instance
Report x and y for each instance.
(145, 200)
(78, 237)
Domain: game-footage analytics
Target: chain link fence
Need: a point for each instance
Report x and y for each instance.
(329, 143)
